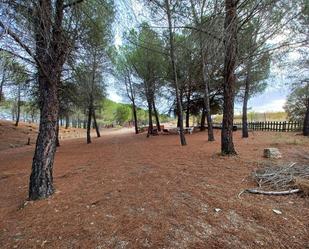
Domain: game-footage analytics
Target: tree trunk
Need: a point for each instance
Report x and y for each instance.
(18, 106)
(96, 124)
(156, 116)
(306, 121)
(178, 120)
(85, 123)
(89, 124)
(67, 121)
(134, 116)
(206, 107)
(57, 135)
(1, 85)
(150, 124)
(172, 55)
(188, 109)
(245, 132)
(203, 117)
(41, 179)
(206, 98)
(50, 57)
(230, 25)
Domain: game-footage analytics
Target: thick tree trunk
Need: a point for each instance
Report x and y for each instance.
(18, 106)
(96, 124)
(89, 124)
(156, 116)
(178, 120)
(174, 68)
(41, 179)
(50, 57)
(134, 116)
(150, 123)
(230, 25)
(306, 121)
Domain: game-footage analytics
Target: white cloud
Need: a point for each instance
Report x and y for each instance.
(272, 106)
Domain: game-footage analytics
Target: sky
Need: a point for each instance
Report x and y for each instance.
(271, 100)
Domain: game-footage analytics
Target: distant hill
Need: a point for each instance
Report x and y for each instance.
(120, 113)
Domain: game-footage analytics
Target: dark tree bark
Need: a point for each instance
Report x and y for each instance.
(67, 121)
(131, 95)
(135, 116)
(89, 124)
(41, 179)
(245, 133)
(188, 109)
(172, 55)
(1, 85)
(51, 52)
(95, 124)
(156, 116)
(57, 135)
(306, 121)
(18, 105)
(230, 25)
(203, 117)
(150, 123)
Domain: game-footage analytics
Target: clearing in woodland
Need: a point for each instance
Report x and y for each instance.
(129, 191)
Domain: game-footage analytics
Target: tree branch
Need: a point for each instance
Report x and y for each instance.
(24, 46)
(71, 4)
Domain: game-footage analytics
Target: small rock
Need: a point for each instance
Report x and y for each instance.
(272, 153)
(217, 210)
(43, 243)
(277, 211)
(259, 242)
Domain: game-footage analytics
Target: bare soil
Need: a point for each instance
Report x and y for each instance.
(129, 191)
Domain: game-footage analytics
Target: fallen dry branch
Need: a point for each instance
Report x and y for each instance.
(258, 191)
(281, 180)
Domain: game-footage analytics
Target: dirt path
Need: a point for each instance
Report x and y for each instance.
(127, 191)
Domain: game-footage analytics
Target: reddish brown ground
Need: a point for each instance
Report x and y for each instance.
(13, 137)
(127, 191)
